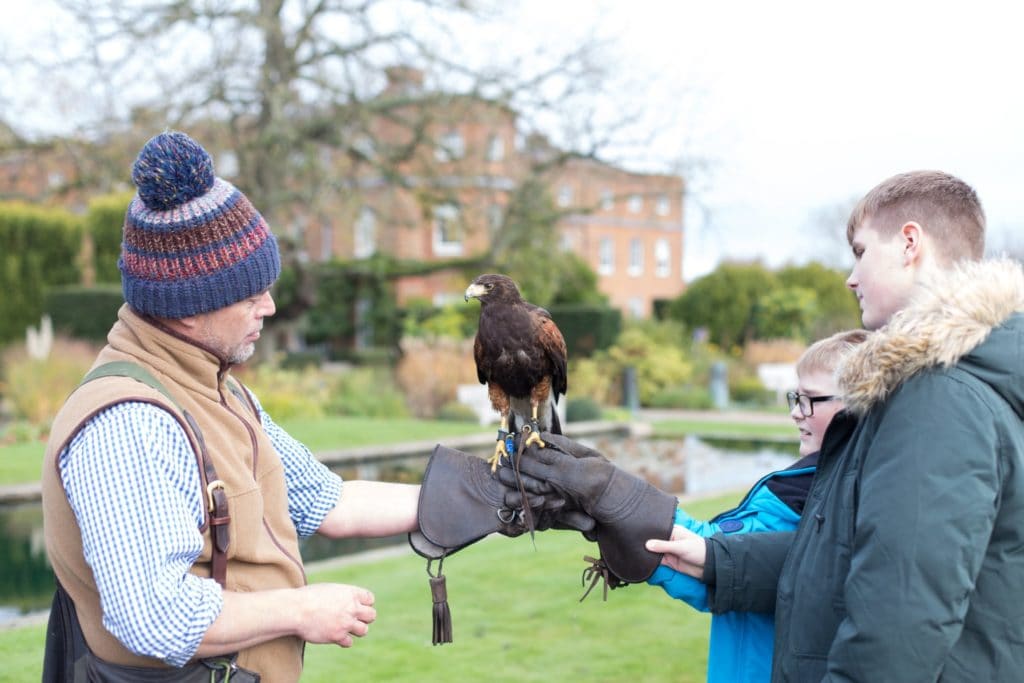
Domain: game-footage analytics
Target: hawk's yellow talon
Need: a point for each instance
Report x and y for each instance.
(499, 452)
(534, 438)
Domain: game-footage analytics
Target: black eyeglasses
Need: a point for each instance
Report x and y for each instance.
(805, 402)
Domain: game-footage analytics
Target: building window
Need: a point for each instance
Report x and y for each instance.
(636, 257)
(635, 203)
(450, 147)
(447, 230)
(496, 148)
(662, 205)
(326, 240)
(662, 258)
(365, 237)
(606, 256)
(564, 196)
(607, 200)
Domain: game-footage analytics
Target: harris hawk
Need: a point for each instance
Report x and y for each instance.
(521, 356)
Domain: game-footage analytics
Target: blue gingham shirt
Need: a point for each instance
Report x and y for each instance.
(140, 519)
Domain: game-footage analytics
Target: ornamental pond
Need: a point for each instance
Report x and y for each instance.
(688, 467)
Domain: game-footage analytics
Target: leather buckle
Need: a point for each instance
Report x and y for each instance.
(210, 488)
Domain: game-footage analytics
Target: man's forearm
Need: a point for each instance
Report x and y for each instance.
(371, 508)
(318, 613)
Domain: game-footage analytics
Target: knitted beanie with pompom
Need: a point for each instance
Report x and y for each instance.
(193, 242)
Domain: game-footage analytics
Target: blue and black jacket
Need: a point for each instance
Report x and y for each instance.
(740, 645)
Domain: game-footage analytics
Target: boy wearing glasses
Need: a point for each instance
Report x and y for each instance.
(740, 645)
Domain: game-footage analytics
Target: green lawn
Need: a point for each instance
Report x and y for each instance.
(515, 614)
(20, 463)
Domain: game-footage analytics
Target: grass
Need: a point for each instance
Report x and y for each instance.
(515, 615)
(20, 463)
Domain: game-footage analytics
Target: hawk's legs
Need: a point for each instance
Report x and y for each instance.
(500, 448)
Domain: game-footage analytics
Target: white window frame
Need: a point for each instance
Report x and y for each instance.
(635, 203)
(447, 225)
(607, 200)
(565, 196)
(364, 237)
(496, 148)
(636, 257)
(662, 258)
(606, 256)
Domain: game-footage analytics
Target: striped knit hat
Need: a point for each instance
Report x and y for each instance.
(192, 241)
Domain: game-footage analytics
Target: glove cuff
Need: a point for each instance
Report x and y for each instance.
(632, 511)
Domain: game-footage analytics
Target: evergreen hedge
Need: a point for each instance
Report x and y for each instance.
(587, 328)
(103, 222)
(40, 248)
(84, 312)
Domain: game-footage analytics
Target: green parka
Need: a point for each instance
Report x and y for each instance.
(908, 563)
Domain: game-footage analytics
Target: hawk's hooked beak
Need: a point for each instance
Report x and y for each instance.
(474, 291)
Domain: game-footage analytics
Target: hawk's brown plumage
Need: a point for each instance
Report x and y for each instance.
(520, 353)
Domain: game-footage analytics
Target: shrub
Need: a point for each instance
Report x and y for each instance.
(84, 312)
(587, 329)
(659, 363)
(39, 248)
(285, 393)
(683, 398)
(430, 370)
(582, 409)
(36, 388)
(749, 390)
(456, 412)
(366, 392)
(590, 377)
(103, 223)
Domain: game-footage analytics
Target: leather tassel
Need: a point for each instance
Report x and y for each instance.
(442, 615)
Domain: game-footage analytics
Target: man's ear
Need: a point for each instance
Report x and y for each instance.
(184, 325)
(913, 242)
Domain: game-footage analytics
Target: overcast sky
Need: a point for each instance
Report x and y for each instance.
(800, 106)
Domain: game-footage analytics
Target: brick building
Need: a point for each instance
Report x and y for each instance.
(461, 159)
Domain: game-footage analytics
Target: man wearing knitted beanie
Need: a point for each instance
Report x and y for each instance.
(173, 504)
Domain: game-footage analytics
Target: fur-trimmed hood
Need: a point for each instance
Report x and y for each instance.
(961, 318)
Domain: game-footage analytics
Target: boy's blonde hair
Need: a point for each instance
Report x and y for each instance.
(947, 207)
(825, 355)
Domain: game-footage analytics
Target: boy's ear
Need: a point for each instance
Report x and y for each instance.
(912, 236)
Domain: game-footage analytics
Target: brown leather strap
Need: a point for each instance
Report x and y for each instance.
(216, 508)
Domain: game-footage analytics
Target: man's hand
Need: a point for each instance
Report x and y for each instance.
(334, 613)
(684, 552)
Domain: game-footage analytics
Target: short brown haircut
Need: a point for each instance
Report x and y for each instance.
(947, 207)
(826, 354)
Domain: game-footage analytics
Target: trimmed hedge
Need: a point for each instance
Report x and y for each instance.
(84, 312)
(104, 223)
(41, 248)
(587, 328)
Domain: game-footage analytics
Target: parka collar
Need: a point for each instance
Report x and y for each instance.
(948, 317)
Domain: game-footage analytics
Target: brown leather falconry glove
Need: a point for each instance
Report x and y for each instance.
(627, 510)
(461, 502)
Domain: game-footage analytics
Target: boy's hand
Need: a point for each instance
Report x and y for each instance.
(684, 551)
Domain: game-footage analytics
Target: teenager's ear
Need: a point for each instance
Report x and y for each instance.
(912, 236)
